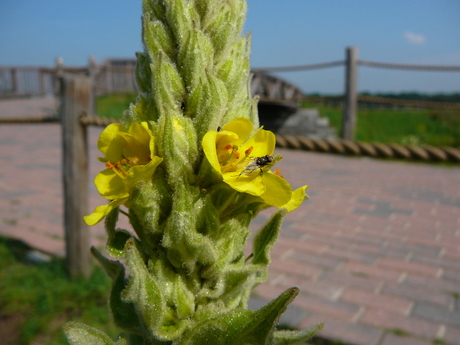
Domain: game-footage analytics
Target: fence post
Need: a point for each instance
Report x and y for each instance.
(93, 70)
(75, 100)
(351, 97)
(59, 72)
(14, 81)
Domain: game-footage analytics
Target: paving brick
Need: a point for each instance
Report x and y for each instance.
(352, 254)
(413, 267)
(370, 270)
(452, 335)
(316, 288)
(387, 320)
(452, 275)
(435, 313)
(419, 293)
(348, 332)
(445, 261)
(305, 271)
(389, 303)
(439, 285)
(267, 291)
(337, 309)
(323, 261)
(308, 246)
(415, 248)
(349, 279)
(391, 339)
(340, 248)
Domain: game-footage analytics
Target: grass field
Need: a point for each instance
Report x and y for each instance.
(113, 106)
(37, 299)
(399, 126)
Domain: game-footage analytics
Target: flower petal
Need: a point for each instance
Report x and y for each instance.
(263, 143)
(298, 196)
(209, 148)
(278, 192)
(241, 126)
(140, 173)
(246, 184)
(108, 139)
(110, 185)
(102, 211)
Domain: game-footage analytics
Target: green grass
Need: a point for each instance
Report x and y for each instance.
(37, 299)
(114, 105)
(401, 126)
(398, 126)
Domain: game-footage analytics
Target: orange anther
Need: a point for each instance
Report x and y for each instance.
(109, 165)
(228, 147)
(248, 151)
(277, 171)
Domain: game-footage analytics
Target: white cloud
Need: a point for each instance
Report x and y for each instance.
(414, 38)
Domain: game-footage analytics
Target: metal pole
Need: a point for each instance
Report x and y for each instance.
(351, 97)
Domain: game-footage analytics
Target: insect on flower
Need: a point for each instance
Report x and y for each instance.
(263, 163)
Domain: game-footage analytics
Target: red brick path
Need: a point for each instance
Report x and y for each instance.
(375, 251)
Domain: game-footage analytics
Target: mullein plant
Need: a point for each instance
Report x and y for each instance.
(190, 168)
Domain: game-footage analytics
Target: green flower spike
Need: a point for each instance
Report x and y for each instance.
(193, 168)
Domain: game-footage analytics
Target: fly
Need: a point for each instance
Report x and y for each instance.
(263, 163)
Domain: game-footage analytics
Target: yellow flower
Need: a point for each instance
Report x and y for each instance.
(129, 158)
(245, 163)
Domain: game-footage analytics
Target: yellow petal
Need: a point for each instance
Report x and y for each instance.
(140, 173)
(209, 148)
(141, 132)
(298, 196)
(110, 185)
(102, 211)
(263, 143)
(279, 191)
(107, 137)
(246, 184)
(133, 147)
(241, 126)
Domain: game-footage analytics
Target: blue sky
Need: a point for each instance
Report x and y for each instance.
(284, 33)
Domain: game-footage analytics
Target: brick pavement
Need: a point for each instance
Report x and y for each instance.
(375, 251)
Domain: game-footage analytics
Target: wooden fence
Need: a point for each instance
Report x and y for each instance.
(117, 76)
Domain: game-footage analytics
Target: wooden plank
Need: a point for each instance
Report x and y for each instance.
(75, 101)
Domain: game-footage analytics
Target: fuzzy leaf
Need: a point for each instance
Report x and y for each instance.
(244, 327)
(80, 334)
(296, 337)
(142, 290)
(124, 313)
(116, 237)
(167, 85)
(157, 38)
(266, 238)
(186, 246)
